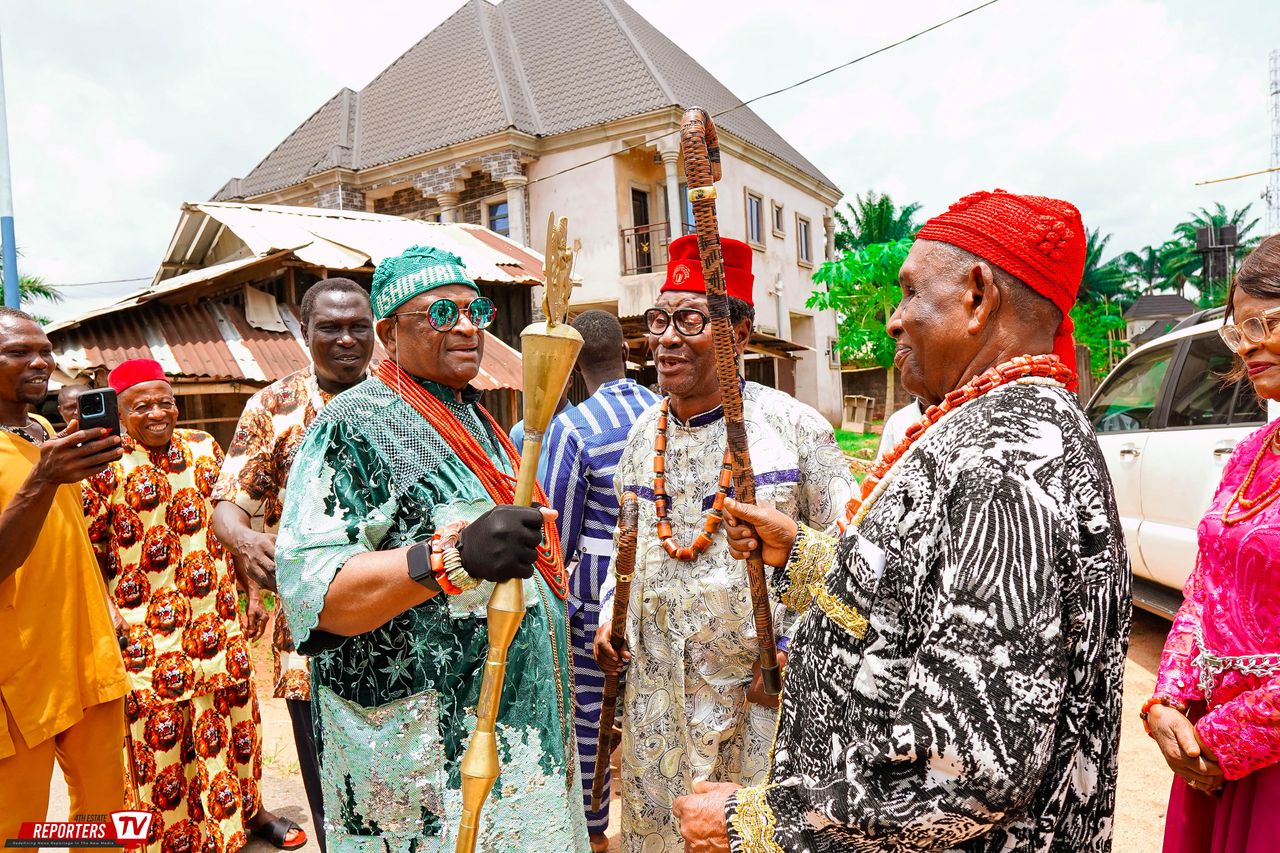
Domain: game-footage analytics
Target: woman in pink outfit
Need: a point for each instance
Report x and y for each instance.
(1216, 710)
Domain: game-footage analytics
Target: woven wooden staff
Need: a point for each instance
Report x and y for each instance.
(623, 565)
(701, 153)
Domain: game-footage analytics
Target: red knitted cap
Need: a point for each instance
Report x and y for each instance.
(684, 269)
(134, 372)
(1039, 241)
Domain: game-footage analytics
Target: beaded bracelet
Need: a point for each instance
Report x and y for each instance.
(1168, 702)
(446, 560)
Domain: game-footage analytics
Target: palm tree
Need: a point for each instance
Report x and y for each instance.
(1102, 282)
(1183, 264)
(1144, 266)
(874, 219)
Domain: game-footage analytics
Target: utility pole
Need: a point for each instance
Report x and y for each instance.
(9, 251)
(1273, 185)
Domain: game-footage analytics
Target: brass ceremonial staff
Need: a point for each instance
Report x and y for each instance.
(623, 565)
(701, 152)
(549, 351)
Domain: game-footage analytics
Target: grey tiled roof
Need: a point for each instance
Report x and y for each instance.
(539, 66)
(1159, 305)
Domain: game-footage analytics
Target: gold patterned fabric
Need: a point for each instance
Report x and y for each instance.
(753, 822)
(812, 555)
(150, 524)
(254, 476)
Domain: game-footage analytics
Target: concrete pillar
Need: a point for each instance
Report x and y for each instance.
(448, 206)
(515, 208)
(675, 204)
(829, 226)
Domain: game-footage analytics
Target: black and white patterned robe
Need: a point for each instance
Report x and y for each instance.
(981, 710)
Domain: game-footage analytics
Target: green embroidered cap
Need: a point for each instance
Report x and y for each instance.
(417, 270)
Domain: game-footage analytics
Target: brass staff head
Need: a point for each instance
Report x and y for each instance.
(556, 265)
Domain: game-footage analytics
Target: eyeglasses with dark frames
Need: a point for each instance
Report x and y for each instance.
(442, 315)
(689, 322)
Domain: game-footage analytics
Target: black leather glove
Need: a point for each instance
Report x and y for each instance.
(502, 544)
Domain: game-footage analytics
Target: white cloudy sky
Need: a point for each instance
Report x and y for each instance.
(119, 112)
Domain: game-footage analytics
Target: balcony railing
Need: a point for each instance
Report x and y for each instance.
(644, 247)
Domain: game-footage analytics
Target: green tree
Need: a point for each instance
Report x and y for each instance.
(874, 219)
(33, 287)
(1183, 265)
(1101, 327)
(861, 286)
(1103, 281)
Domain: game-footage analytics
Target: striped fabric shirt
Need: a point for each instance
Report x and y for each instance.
(583, 446)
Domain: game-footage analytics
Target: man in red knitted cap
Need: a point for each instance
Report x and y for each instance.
(196, 753)
(693, 710)
(956, 684)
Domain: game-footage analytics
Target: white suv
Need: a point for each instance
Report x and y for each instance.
(1167, 422)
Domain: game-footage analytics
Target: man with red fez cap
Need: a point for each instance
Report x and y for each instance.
(956, 684)
(193, 714)
(693, 708)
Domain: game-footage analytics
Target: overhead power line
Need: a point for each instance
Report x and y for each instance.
(105, 281)
(833, 69)
(757, 98)
(1238, 177)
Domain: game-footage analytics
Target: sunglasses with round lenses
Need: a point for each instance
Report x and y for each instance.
(1252, 329)
(688, 321)
(443, 314)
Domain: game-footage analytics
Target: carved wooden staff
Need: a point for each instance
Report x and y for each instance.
(623, 565)
(548, 351)
(701, 152)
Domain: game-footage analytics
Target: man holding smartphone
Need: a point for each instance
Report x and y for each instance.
(62, 681)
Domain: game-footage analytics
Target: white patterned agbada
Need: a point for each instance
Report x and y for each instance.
(686, 717)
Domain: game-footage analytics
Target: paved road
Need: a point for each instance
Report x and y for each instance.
(1140, 800)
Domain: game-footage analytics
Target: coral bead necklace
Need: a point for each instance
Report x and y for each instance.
(712, 519)
(1252, 506)
(1026, 368)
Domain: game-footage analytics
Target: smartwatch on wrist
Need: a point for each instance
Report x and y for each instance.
(419, 563)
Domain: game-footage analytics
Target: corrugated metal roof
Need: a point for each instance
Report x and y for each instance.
(192, 343)
(487, 69)
(334, 239)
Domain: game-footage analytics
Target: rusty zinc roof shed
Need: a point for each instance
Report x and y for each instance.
(222, 246)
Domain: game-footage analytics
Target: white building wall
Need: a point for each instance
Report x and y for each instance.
(596, 198)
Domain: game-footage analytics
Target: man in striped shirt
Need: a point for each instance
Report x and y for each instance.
(583, 446)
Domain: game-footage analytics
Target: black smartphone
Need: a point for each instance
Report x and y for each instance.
(98, 409)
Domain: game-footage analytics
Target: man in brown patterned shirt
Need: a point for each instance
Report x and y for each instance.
(337, 324)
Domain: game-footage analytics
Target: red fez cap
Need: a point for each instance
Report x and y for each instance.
(1039, 241)
(135, 371)
(684, 269)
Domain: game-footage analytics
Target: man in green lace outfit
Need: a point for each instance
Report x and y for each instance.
(396, 623)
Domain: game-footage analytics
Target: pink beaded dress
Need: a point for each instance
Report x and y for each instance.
(1222, 658)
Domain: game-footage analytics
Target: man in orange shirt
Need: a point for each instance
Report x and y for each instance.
(62, 681)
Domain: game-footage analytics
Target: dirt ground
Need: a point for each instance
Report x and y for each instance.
(1140, 801)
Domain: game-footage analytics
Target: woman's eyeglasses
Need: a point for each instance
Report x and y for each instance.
(688, 321)
(442, 315)
(1254, 329)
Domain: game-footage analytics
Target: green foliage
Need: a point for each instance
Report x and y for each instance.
(861, 286)
(874, 219)
(862, 445)
(33, 287)
(1103, 282)
(1101, 327)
